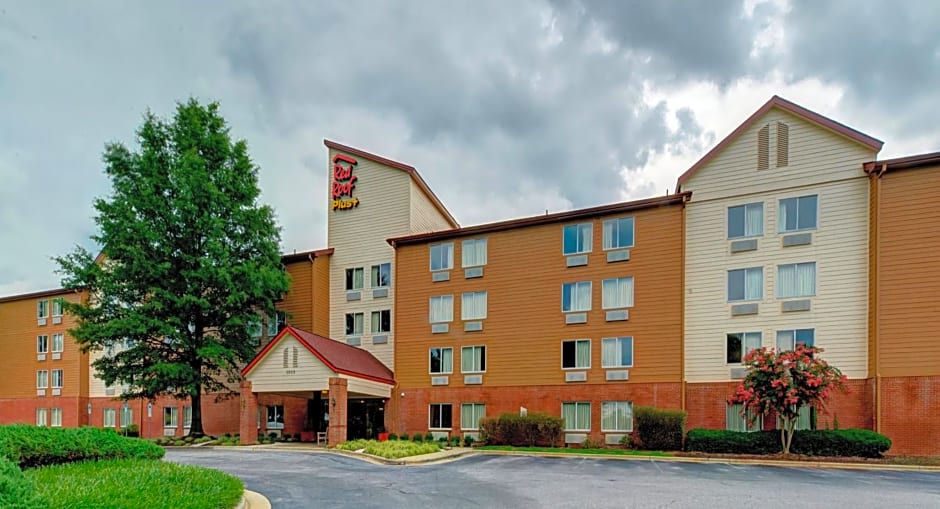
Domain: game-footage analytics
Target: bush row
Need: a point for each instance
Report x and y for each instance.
(848, 442)
(659, 430)
(16, 491)
(522, 430)
(31, 446)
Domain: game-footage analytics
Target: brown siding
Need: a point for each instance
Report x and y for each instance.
(525, 326)
(321, 296)
(299, 299)
(908, 282)
(873, 231)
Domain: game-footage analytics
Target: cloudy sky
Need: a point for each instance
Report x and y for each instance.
(506, 108)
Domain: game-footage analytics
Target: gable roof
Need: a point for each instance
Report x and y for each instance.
(558, 217)
(305, 255)
(902, 163)
(410, 170)
(337, 356)
(38, 295)
(792, 108)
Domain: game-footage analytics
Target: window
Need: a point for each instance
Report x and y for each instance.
(381, 321)
(806, 420)
(617, 352)
(382, 275)
(473, 306)
(354, 278)
(42, 309)
(41, 417)
(275, 417)
(127, 416)
(788, 339)
(471, 414)
(577, 238)
(739, 344)
(442, 361)
(42, 344)
(56, 417)
(354, 323)
(746, 220)
(577, 415)
(58, 342)
(42, 379)
(618, 233)
(796, 280)
(442, 256)
(57, 306)
(473, 252)
(110, 418)
(473, 359)
(737, 420)
(276, 323)
(57, 378)
(442, 309)
(187, 416)
(441, 416)
(576, 296)
(576, 354)
(255, 328)
(617, 293)
(746, 284)
(617, 416)
(170, 417)
(797, 214)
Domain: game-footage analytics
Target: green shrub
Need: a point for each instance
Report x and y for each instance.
(627, 441)
(468, 441)
(393, 436)
(590, 443)
(16, 491)
(429, 437)
(132, 430)
(659, 430)
(455, 441)
(417, 437)
(389, 449)
(733, 442)
(848, 442)
(522, 430)
(32, 446)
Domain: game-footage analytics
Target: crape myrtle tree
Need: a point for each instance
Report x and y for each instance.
(783, 382)
(189, 258)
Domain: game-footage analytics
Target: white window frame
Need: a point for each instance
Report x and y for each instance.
(796, 266)
(55, 417)
(173, 415)
(605, 406)
(477, 254)
(430, 364)
(473, 348)
(42, 378)
(740, 422)
(350, 279)
(375, 325)
(746, 272)
(187, 417)
(793, 333)
(358, 323)
(477, 411)
(746, 207)
(464, 307)
(588, 240)
(745, 336)
(445, 253)
(781, 224)
(273, 424)
(605, 365)
(376, 274)
(42, 417)
(42, 343)
(440, 407)
(58, 342)
(609, 234)
(620, 282)
(42, 309)
(127, 416)
(57, 307)
(448, 310)
(577, 405)
(576, 286)
(109, 417)
(52, 378)
(576, 342)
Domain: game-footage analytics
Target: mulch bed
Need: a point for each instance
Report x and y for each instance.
(888, 460)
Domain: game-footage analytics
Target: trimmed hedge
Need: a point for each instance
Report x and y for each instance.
(32, 446)
(522, 430)
(16, 491)
(848, 442)
(659, 430)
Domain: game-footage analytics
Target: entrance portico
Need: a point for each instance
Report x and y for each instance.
(305, 383)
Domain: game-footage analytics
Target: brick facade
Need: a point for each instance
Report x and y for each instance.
(909, 410)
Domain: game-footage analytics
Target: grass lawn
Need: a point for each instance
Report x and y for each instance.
(391, 449)
(119, 484)
(559, 450)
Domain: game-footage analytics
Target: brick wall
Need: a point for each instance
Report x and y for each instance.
(909, 414)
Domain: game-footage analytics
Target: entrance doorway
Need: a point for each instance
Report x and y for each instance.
(366, 417)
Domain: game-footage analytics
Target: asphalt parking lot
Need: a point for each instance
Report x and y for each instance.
(319, 480)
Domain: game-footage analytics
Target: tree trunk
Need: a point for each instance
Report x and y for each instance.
(195, 428)
(786, 434)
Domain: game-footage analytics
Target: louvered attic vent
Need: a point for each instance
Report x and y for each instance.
(783, 144)
(763, 148)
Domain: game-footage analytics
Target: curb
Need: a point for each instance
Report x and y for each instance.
(254, 500)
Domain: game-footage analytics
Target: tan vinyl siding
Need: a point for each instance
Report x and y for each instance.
(358, 238)
(524, 327)
(909, 273)
(269, 375)
(425, 217)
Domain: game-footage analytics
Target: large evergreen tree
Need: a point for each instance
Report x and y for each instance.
(189, 258)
